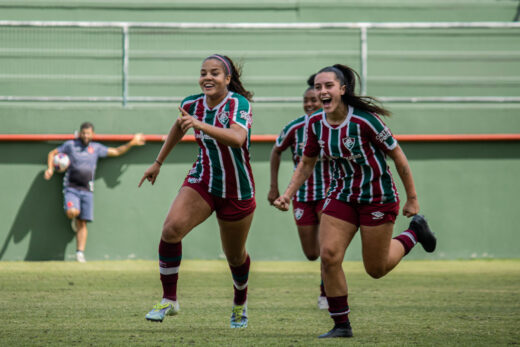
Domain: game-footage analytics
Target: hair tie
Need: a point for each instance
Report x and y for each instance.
(222, 59)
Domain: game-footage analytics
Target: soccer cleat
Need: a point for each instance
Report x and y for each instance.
(323, 304)
(339, 330)
(239, 316)
(80, 257)
(73, 225)
(424, 235)
(162, 309)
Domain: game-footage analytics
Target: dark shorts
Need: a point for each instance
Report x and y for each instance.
(81, 200)
(227, 209)
(307, 213)
(362, 214)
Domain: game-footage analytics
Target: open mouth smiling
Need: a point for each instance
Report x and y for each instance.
(326, 101)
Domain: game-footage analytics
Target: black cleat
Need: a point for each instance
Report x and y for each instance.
(339, 330)
(424, 235)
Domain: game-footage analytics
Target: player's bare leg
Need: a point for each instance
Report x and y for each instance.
(380, 252)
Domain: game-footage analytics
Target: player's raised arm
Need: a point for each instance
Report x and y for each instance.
(174, 137)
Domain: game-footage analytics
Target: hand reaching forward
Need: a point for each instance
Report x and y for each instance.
(150, 174)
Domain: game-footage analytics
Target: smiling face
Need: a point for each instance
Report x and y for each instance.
(329, 92)
(213, 79)
(311, 102)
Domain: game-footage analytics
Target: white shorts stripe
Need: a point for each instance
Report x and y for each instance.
(169, 270)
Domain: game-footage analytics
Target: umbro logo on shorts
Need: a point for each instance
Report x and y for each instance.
(377, 215)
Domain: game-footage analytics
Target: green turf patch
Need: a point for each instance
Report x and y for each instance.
(458, 303)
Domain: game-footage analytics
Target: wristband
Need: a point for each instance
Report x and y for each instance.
(158, 162)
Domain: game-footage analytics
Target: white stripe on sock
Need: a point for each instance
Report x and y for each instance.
(339, 313)
(169, 270)
(240, 286)
(410, 236)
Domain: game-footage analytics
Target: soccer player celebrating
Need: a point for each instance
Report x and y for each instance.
(220, 180)
(308, 201)
(362, 192)
(78, 182)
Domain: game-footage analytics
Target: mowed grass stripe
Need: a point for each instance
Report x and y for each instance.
(458, 303)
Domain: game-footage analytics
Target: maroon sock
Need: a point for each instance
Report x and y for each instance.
(170, 255)
(408, 239)
(338, 309)
(322, 289)
(240, 277)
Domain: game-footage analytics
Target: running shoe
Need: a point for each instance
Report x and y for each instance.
(239, 316)
(162, 309)
(80, 257)
(339, 330)
(424, 235)
(323, 304)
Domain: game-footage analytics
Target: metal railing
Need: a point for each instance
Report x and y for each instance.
(363, 28)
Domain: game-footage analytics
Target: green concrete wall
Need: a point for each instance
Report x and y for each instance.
(261, 11)
(467, 190)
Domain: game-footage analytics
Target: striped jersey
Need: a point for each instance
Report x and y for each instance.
(225, 170)
(358, 150)
(293, 136)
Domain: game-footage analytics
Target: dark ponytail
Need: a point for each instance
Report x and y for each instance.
(310, 83)
(235, 85)
(347, 76)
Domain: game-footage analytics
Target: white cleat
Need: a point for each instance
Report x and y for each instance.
(323, 304)
(80, 257)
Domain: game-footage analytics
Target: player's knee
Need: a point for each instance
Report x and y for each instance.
(329, 258)
(312, 255)
(72, 213)
(375, 271)
(235, 260)
(172, 231)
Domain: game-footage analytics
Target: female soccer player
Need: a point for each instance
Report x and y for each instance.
(220, 180)
(362, 192)
(308, 201)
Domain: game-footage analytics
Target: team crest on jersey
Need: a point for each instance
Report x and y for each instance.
(349, 142)
(223, 117)
(298, 213)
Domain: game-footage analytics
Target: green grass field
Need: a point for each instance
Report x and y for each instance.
(457, 303)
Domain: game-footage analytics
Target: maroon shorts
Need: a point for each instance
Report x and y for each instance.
(307, 213)
(362, 214)
(227, 209)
